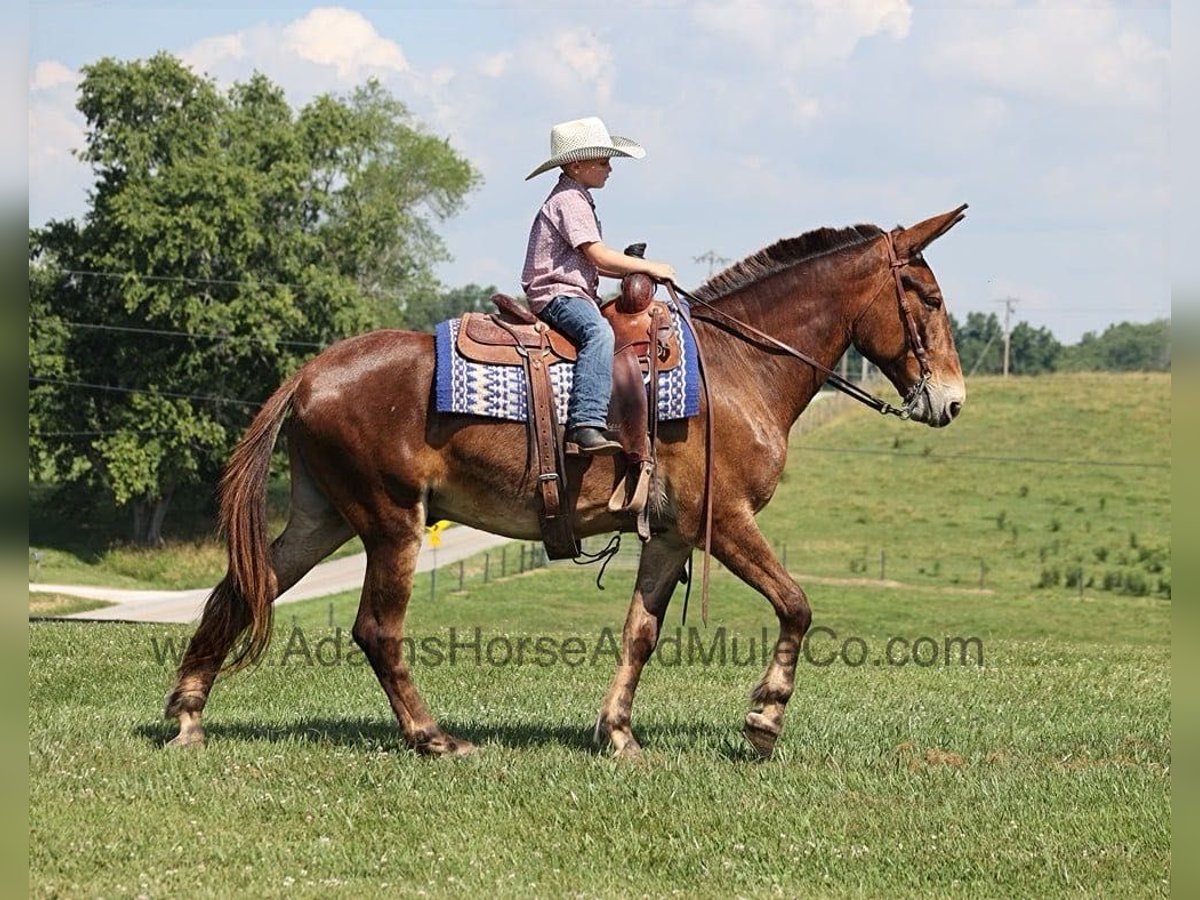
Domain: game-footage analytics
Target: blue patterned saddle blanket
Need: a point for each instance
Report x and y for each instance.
(499, 392)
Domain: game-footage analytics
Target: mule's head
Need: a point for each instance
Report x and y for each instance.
(891, 330)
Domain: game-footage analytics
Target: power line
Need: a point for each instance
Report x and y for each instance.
(59, 434)
(180, 279)
(188, 334)
(712, 258)
(223, 282)
(125, 390)
(973, 458)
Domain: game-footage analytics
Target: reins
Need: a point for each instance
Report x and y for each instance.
(847, 387)
(835, 380)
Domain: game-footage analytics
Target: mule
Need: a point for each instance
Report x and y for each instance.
(368, 456)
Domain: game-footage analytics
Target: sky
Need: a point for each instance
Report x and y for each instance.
(761, 120)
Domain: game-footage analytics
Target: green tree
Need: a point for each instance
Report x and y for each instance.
(227, 239)
(1032, 351)
(424, 313)
(980, 343)
(1123, 347)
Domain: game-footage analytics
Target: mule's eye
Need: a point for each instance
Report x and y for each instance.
(933, 299)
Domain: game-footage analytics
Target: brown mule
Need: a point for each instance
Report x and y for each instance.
(368, 457)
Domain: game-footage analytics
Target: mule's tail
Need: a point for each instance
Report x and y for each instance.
(251, 580)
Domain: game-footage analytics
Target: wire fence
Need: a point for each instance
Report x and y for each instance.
(1141, 571)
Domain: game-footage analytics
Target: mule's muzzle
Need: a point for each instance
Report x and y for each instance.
(937, 405)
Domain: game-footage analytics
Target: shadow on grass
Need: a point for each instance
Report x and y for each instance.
(377, 734)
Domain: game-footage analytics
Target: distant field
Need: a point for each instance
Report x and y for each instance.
(1039, 765)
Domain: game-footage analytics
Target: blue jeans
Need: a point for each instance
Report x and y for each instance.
(581, 321)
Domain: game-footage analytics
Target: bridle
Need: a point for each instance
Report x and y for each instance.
(742, 329)
(912, 334)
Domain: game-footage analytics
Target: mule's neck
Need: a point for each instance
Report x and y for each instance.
(811, 307)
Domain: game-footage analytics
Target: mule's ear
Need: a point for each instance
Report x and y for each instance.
(918, 237)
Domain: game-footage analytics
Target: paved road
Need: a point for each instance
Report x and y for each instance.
(333, 577)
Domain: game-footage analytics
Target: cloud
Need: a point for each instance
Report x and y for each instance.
(50, 73)
(344, 39)
(1080, 55)
(212, 52)
(496, 64)
(56, 129)
(580, 52)
(807, 32)
(303, 54)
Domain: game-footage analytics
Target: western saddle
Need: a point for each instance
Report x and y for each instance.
(647, 342)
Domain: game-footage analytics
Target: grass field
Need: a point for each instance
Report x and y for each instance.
(1042, 768)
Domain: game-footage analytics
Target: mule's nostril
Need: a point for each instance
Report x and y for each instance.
(955, 408)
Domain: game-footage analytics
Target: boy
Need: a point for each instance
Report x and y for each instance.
(562, 264)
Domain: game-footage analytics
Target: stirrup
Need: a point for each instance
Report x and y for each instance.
(622, 501)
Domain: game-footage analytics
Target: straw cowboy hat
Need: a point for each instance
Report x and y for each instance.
(582, 139)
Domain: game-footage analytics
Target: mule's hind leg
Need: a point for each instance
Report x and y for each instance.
(314, 530)
(379, 631)
(745, 552)
(658, 572)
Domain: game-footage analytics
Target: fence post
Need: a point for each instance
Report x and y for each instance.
(433, 581)
(460, 574)
(882, 564)
(982, 574)
(522, 569)
(503, 560)
(487, 560)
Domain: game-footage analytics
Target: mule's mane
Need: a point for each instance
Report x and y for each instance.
(783, 255)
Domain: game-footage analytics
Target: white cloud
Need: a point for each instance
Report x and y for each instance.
(804, 109)
(56, 129)
(50, 73)
(807, 32)
(211, 52)
(496, 64)
(581, 52)
(1079, 55)
(344, 39)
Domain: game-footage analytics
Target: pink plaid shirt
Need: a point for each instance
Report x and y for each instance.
(554, 265)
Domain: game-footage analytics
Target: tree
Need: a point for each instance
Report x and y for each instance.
(980, 343)
(1123, 347)
(1033, 351)
(423, 314)
(227, 239)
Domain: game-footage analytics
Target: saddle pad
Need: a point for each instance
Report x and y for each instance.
(500, 392)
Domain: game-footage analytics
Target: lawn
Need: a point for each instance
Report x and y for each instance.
(1040, 764)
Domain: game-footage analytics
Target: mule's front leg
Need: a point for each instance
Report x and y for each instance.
(745, 552)
(661, 562)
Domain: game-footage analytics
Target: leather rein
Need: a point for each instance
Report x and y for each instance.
(863, 396)
(913, 334)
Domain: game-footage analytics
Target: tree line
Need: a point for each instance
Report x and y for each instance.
(1122, 347)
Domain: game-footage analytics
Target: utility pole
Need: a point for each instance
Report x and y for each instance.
(1009, 303)
(710, 257)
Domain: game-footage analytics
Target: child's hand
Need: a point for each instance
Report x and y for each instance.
(660, 271)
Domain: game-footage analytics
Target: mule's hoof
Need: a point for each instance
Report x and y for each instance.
(193, 738)
(620, 742)
(761, 733)
(446, 747)
(629, 750)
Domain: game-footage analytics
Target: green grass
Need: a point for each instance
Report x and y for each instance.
(1045, 770)
(43, 604)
